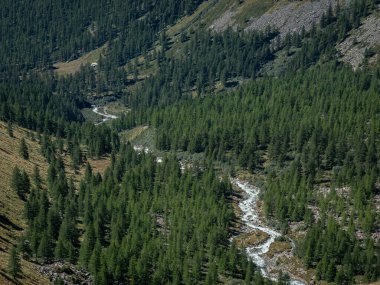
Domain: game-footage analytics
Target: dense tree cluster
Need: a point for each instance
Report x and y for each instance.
(142, 222)
(14, 266)
(299, 123)
(279, 115)
(206, 58)
(32, 104)
(23, 149)
(337, 254)
(37, 33)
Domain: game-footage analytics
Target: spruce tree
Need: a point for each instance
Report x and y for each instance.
(25, 182)
(76, 156)
(87, 246)
(37, 178)
(23, 150)
(14, 265)
(10, 129)
(249, 273)
(20, 182)
(16, 180)
(45, 246)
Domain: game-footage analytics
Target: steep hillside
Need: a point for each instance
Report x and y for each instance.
(12, 223)
(363, 43)
(244, 15)
(286, 19)
(208, 104)
(71, 67)
(118, 73)
(286, 16)
(12, 219)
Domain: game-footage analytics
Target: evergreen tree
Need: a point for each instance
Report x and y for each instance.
(14, 265)
(10, 129)
(23, 149)
(37, 178)
(45, 246)
(20, 182)
(76, 156)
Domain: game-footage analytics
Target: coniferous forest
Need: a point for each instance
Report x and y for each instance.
(306, 133)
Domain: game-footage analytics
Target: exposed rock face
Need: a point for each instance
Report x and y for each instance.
(224, 22)
(67, 272)
(287, 17)
(292, 17)
(367, 36)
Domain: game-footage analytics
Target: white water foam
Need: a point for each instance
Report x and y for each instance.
(105, 115)
(252, 221)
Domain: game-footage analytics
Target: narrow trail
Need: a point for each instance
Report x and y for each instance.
(104, 114)
(251, 220)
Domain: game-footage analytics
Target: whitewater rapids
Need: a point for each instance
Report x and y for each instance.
(251, 220)
(104, 114)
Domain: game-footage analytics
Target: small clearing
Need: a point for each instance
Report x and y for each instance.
(132, 134)
(71, 67)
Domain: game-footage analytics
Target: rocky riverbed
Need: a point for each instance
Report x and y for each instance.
(267, 254)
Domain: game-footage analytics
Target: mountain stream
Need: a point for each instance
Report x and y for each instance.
(104, 114)
(251, 220)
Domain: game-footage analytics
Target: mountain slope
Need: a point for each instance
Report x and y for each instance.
(12, 223)
(198, 85)
(12, 213)
(363, 43)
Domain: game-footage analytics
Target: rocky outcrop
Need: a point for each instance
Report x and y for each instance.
(362, 45)
(224, 22)
(354, 49)
(286, 17)
(291, 17)
(67, 272)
